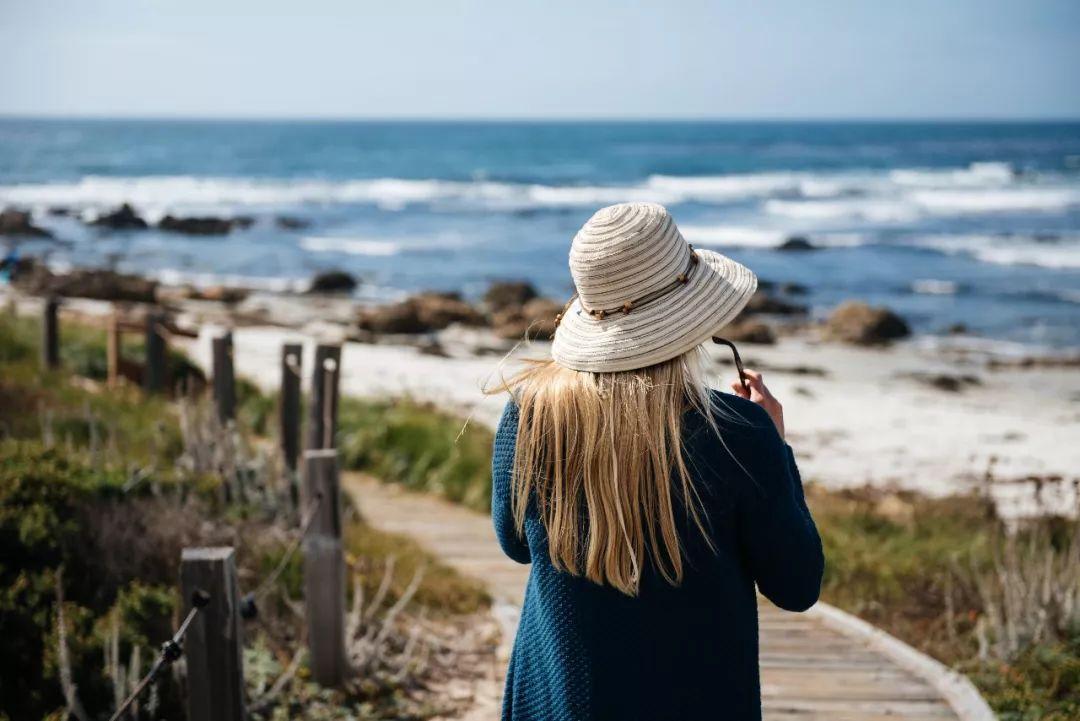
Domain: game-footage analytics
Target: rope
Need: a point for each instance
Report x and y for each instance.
(171, 650)
(269, 581)
(248, 607)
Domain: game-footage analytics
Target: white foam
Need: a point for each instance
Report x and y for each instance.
(1025, 199)
(1008, 250)
(350, 246)
(987, 174)
(931, 286)
(875, 210)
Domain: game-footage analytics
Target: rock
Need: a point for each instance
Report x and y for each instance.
(508, 294)
(420, 313)
(333, 281)
(793, 289)
(289, 222)
(750, 331)
(19, 222)
(860, 324)
(207, 225)
(945, 381)
(95, 284)
(535, 320)
(123, 218)
(60, 211)
(764, 304)
(956, 329)
(797, 243)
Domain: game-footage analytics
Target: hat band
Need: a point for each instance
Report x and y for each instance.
(680, 280)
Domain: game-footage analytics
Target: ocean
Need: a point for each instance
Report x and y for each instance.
(945, 222)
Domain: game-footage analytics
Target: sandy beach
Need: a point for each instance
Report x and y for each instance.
(855, 416)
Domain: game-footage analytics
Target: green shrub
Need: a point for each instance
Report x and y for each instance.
(418, 446)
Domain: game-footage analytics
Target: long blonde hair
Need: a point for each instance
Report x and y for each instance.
(611, 444)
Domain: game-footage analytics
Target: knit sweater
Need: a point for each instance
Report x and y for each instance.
(587, 652)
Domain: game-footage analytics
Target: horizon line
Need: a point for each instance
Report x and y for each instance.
(543, 119)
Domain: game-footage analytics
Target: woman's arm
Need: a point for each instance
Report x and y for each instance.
(502, 466)
(781, 542)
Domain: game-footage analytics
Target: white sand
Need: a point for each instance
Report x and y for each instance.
(863, 423)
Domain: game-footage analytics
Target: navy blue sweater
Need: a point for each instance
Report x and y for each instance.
(585, 651)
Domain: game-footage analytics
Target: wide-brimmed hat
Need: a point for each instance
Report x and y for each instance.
(644, 295)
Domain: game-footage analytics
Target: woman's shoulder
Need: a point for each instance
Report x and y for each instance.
(732, 414)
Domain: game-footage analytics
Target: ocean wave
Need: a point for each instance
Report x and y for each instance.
(1008, 250)
(877, 196)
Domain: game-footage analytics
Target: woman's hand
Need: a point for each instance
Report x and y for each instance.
(761, 395)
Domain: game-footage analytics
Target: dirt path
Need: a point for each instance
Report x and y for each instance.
(817, 666)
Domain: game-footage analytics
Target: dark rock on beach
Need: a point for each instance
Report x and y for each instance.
(87, 283)
(123, 218)
(947, 382)
(208, 225)
(762, 303)
(420, 313)
(290, 222)
(750, 331)
(333, 281)
(505, 294)
(857, 323)
(797, 243)
(534, 320)
(20, 222)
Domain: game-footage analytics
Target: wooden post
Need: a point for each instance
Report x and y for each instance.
(215, 669)
(154, 377)
(324, 569)
(224, 378)
(112, 348)
(322, 420)
(289, 414)
(50, 334)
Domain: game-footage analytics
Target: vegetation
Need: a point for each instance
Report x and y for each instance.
(417, 445)
(98, 495)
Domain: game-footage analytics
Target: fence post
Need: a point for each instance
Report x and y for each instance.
(50, 334)
(289, 413)
(215, 670)
(324, 569)
(322, 420)
(224, 378)
(112, 348)
(154, 379)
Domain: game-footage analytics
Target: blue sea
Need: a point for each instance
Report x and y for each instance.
(972, 223)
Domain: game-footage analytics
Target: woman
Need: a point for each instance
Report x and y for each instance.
(648, 506)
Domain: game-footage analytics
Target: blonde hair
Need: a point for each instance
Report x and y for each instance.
(611, 444)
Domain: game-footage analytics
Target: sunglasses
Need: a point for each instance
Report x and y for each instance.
(743, 380)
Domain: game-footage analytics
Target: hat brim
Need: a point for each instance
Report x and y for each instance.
(660, 330)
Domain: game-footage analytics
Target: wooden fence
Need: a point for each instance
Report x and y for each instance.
(211, 635)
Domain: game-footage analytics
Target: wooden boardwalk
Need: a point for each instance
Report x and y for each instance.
(810, 671)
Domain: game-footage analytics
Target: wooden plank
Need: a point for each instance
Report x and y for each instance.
(322, 421)
(289, 415)
(215, 668)
(50, 334)
(224, 378)
(324, 569)
(154, 379)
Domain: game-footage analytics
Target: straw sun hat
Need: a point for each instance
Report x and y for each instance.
(644, 295)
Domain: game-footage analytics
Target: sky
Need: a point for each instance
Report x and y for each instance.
(801, 59)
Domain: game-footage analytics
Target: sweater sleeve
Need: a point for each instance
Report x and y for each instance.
(778, 535)
(502, 466)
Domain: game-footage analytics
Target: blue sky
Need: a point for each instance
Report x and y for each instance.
(555, 58)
